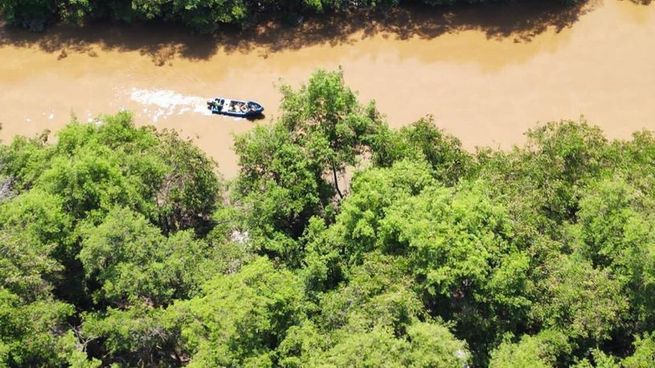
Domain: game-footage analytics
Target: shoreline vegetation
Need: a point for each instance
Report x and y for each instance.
(121, 246)
(165, 40)
(210, 16)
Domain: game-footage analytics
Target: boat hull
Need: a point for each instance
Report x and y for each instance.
(238, 114)
(235, 108)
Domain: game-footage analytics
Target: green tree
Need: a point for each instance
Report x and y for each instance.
(283, 180)
(584, 302)
(330, 252)
(644, 354)
(616, 231)
(131, 261)
(240, 319)
(539, 351)
(24, 160)
(26, 267)
(280, 188)
(137, 336)
(32, 14)
(325, 117)
(190, 190)
(422, 140)
(373, 320)
(29, 332)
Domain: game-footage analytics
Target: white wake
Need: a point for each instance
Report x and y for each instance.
(162, 103)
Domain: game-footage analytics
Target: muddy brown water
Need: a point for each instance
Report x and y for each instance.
(486, 73)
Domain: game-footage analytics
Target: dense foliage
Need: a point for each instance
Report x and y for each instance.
(120, 246)
(203, 16)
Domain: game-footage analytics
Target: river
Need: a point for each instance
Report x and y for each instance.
(486, 73)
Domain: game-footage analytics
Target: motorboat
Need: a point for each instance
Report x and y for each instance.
(239, 108)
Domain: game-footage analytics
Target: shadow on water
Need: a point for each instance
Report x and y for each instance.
(256, 117)
(519, 21)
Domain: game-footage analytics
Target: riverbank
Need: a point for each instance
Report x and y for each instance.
(486, 75)
(211, 16)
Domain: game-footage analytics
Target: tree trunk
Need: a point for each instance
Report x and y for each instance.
(336, 182)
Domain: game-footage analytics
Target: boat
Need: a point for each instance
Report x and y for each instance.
(238, 108)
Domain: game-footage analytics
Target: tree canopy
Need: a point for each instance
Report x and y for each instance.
(340, 243)
(203, 16)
